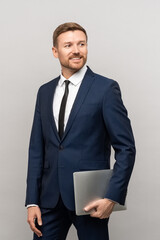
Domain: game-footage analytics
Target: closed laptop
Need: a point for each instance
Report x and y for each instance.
(90, 186)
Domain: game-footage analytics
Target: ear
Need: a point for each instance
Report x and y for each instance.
(55, 52)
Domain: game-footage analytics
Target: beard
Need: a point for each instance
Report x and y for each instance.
(73, 64)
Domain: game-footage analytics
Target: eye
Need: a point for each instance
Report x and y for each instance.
(67, 45)
(82, 44)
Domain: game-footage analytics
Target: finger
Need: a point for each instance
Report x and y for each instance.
(100, 216)
(38, 232)
(90, 206)
(39, 220)
(95, 215)
(34, 229)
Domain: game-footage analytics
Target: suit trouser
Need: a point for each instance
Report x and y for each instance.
(57, 221)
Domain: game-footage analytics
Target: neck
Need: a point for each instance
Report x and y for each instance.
(67, 73)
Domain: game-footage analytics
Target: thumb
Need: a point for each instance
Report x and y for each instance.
(90, 206)
(39, 219)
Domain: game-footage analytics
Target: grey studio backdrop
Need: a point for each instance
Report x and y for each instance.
(124, 44)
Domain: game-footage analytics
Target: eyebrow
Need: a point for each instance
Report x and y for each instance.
(78, 41)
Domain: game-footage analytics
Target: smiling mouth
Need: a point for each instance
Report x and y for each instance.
(76, 58)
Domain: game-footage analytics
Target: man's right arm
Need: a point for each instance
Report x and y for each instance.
(36, 155)
(35, 166)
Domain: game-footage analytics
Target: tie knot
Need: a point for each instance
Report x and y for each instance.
(67, 83)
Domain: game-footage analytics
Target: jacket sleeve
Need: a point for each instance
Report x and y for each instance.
(119, 129)
(35, 161)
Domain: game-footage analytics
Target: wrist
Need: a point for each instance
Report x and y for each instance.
(110, 201)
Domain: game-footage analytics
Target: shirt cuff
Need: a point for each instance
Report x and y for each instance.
(32, 205)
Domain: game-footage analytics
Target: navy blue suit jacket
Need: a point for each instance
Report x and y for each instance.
(97, 120)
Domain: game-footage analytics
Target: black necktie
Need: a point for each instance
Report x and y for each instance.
(62, 109)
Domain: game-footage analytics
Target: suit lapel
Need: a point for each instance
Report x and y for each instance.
(51, 95)
(81, 95)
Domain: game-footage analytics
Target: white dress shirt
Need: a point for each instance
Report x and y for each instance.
(75, 82)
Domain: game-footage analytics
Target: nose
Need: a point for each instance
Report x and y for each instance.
(75, 49)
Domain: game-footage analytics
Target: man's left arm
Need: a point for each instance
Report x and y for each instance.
(120, 133)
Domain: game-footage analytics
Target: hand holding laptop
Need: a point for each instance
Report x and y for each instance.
(101, 208)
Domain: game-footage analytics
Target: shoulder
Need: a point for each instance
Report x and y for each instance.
(103, 81)
(48, 85)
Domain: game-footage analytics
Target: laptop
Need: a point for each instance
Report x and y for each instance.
(90, 186)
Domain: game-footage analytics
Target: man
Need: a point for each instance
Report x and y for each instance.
(78, 116)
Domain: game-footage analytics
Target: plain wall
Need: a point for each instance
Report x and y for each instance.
(124, 44)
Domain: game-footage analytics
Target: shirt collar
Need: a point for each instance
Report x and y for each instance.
(76, 78)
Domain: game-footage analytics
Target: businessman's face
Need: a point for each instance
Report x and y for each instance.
(71, 50)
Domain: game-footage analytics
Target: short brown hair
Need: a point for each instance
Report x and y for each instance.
(65, 27)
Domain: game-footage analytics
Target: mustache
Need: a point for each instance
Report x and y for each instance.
(76, 55)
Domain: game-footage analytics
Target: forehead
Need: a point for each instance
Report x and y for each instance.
(72, 36)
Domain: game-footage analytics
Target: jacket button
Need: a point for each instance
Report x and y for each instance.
(61, 147)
